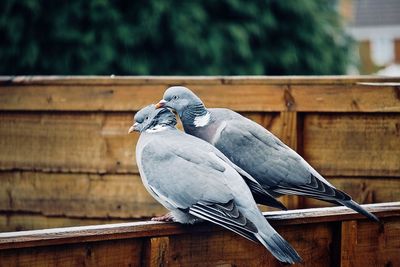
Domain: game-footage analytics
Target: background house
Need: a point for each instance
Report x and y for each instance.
(375, 25)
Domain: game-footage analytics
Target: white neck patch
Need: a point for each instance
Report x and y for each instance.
(156, 129)
(201, 121)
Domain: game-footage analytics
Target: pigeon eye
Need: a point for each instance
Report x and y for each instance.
(175, 97)
(146, 118)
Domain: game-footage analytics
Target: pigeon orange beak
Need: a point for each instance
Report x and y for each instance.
(133, 128)
(161, 104)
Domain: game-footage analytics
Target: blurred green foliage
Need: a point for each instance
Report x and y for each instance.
(176, 37)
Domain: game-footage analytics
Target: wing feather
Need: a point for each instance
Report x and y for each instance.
(226, 215)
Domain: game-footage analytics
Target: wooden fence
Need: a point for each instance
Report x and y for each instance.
(323, 237)
(66, 158)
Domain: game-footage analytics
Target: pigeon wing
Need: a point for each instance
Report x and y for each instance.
(275, 166)
(278, 168)
(194, 182)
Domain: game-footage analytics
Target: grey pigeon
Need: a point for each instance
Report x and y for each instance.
(278, 168)
(194, 180)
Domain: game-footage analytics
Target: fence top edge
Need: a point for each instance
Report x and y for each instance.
(148, 229)
(171, 80)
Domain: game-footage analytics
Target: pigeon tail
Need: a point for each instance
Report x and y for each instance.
(261, 196)
(355, 206)
(279, 247)
(261, 199)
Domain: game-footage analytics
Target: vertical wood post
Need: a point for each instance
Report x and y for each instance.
(156, 252)
(289, 132)
(291, 135)
(348, 243)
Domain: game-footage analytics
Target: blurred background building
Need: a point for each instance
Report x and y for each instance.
(375, 25)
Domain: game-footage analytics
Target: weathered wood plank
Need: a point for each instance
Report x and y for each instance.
(132, 98)
(348, 243)
(289, 130)
(75, 199)
(228, 249)
(347, 98)
(115, 80)
(261, 97)
(363, 190)
(106, 253)
(77, 142)
(58, 236)
(290, 135)
(19, 221)
(353, 144)
(157, 252)
(67, 142)
(159, 244)
(370, 244)
(77, 195)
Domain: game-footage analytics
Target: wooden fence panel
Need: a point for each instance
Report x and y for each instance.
(65, 152)
(228, 249)
(323, 237)
(19, 221)
(124, 252)
(353, 144)
(316, 94)
(370, 244)
(77, 142)
(77, 195)
(67, 142)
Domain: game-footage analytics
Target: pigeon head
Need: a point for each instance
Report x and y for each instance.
(151, 118)
(179, 98)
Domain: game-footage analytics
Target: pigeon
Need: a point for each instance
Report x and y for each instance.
(278, 168)
(195, 182)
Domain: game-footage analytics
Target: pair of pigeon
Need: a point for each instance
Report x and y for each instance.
(221, 167)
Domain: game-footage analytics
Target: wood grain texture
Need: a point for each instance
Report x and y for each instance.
(313, 233)
(134, 97)
(326, 95)
(369, 244)
(69, 235)
(77, 142)
(353, 144)
(348, 243)
(363, 190)
(67, 142)
(291, 134)
(370, 97)
(115, 80)
(157, 252)
(289, 129)
(228, 249)
(107, 253)
(77, 195)
(20, 221)
(64, 141)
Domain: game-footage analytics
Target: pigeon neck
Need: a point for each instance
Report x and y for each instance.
(196, 116)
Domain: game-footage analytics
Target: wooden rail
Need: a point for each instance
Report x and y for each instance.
(245, 94)
(323, 237)
(65, 157)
